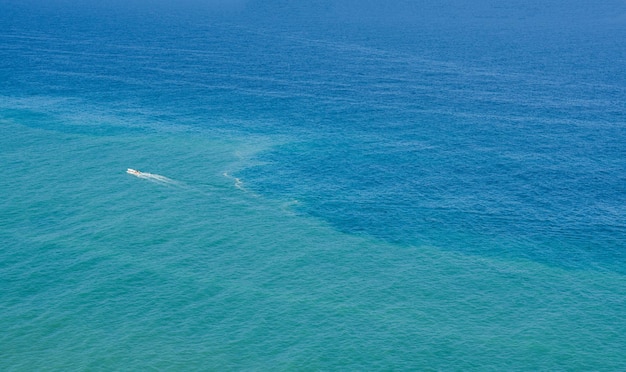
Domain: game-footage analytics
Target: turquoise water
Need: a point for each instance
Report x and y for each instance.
(331, 187)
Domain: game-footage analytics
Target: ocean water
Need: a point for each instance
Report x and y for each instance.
(339, 185)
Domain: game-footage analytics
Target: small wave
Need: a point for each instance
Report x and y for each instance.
(238, 182)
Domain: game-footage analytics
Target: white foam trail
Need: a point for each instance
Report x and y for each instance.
(156, 178)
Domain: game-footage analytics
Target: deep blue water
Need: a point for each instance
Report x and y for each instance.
(348, 185)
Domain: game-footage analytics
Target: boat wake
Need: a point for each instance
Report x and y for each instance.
(156, 178)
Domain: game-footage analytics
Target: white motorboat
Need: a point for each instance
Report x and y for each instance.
(134, 172)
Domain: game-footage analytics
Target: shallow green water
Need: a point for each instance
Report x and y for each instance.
(104, 270)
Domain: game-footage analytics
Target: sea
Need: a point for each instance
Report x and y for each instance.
(332, 185)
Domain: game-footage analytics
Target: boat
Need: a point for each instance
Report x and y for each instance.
(134, 172)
